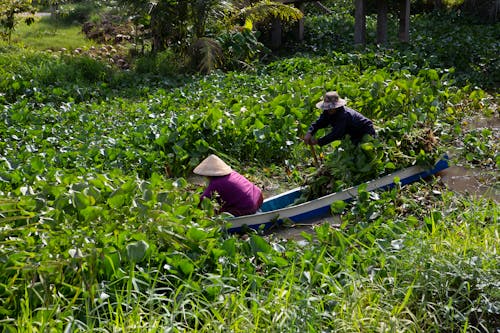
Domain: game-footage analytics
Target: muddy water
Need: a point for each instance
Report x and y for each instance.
(476, 182)
(473, 182)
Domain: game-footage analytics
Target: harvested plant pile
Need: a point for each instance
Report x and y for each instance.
(349, 165)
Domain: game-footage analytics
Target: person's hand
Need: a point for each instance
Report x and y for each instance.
(308, 138)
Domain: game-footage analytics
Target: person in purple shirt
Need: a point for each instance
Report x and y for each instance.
(235, 194)
(343, 120)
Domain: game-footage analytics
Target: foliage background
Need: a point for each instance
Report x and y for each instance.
(100, 230)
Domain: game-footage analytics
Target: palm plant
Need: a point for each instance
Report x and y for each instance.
(192, 27)
(236, 42)
(263, 10)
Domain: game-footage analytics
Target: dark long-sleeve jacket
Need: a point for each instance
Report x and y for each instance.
(344, 121)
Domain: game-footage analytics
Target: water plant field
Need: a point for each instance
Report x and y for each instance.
(100, 229)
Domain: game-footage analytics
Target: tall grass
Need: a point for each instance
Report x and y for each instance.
(439, 276)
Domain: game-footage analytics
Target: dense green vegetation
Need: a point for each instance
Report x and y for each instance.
(100, 230)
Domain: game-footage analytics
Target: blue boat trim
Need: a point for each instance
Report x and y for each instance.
(277, 209)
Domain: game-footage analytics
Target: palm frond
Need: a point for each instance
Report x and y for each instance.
(266, 9)
(207, 54)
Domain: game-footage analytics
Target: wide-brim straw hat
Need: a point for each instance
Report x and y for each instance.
(331, 100)
(212, 166)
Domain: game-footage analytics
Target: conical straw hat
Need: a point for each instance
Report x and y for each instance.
(212, 166)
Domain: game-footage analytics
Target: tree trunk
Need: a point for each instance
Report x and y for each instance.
(156, 34)
(404, 21)
(360, 23)
(276, 33)
(382, 11)
(299, 26)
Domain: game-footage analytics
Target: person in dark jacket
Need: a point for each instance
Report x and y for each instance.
(343, 120)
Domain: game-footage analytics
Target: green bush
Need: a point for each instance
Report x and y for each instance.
(145, 64)
(241, 48)
(77, 12)
(72, 70)
(164, 63)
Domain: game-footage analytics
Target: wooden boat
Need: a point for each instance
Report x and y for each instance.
(279, 208)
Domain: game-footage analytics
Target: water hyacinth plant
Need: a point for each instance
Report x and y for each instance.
(101, 228)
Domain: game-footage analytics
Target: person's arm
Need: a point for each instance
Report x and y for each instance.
(337, 133)
(208, 192)
(321, 122)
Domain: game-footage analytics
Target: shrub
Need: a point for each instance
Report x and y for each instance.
(73, 69)
(164, 63)
(77, 12)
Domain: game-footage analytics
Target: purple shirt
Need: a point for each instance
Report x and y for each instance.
(236, 194)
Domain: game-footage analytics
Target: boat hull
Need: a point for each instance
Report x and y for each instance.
(277, 209)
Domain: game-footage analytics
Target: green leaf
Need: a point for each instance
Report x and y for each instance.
(307, 236)
(259, 244)
(367, 146)
(196, 234)
(229, 246)
(390, 166)
(137, 251)
(180, 183)
(338, 206)
(147, 195)
(91, 213)
(413, 116)
(37, 164)
(279, 111)
(336, 143)
(280, 261)
(111, 262)
(216, 253)
(57, 91)
(186, 266)
(81, 200)
(116, 201)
